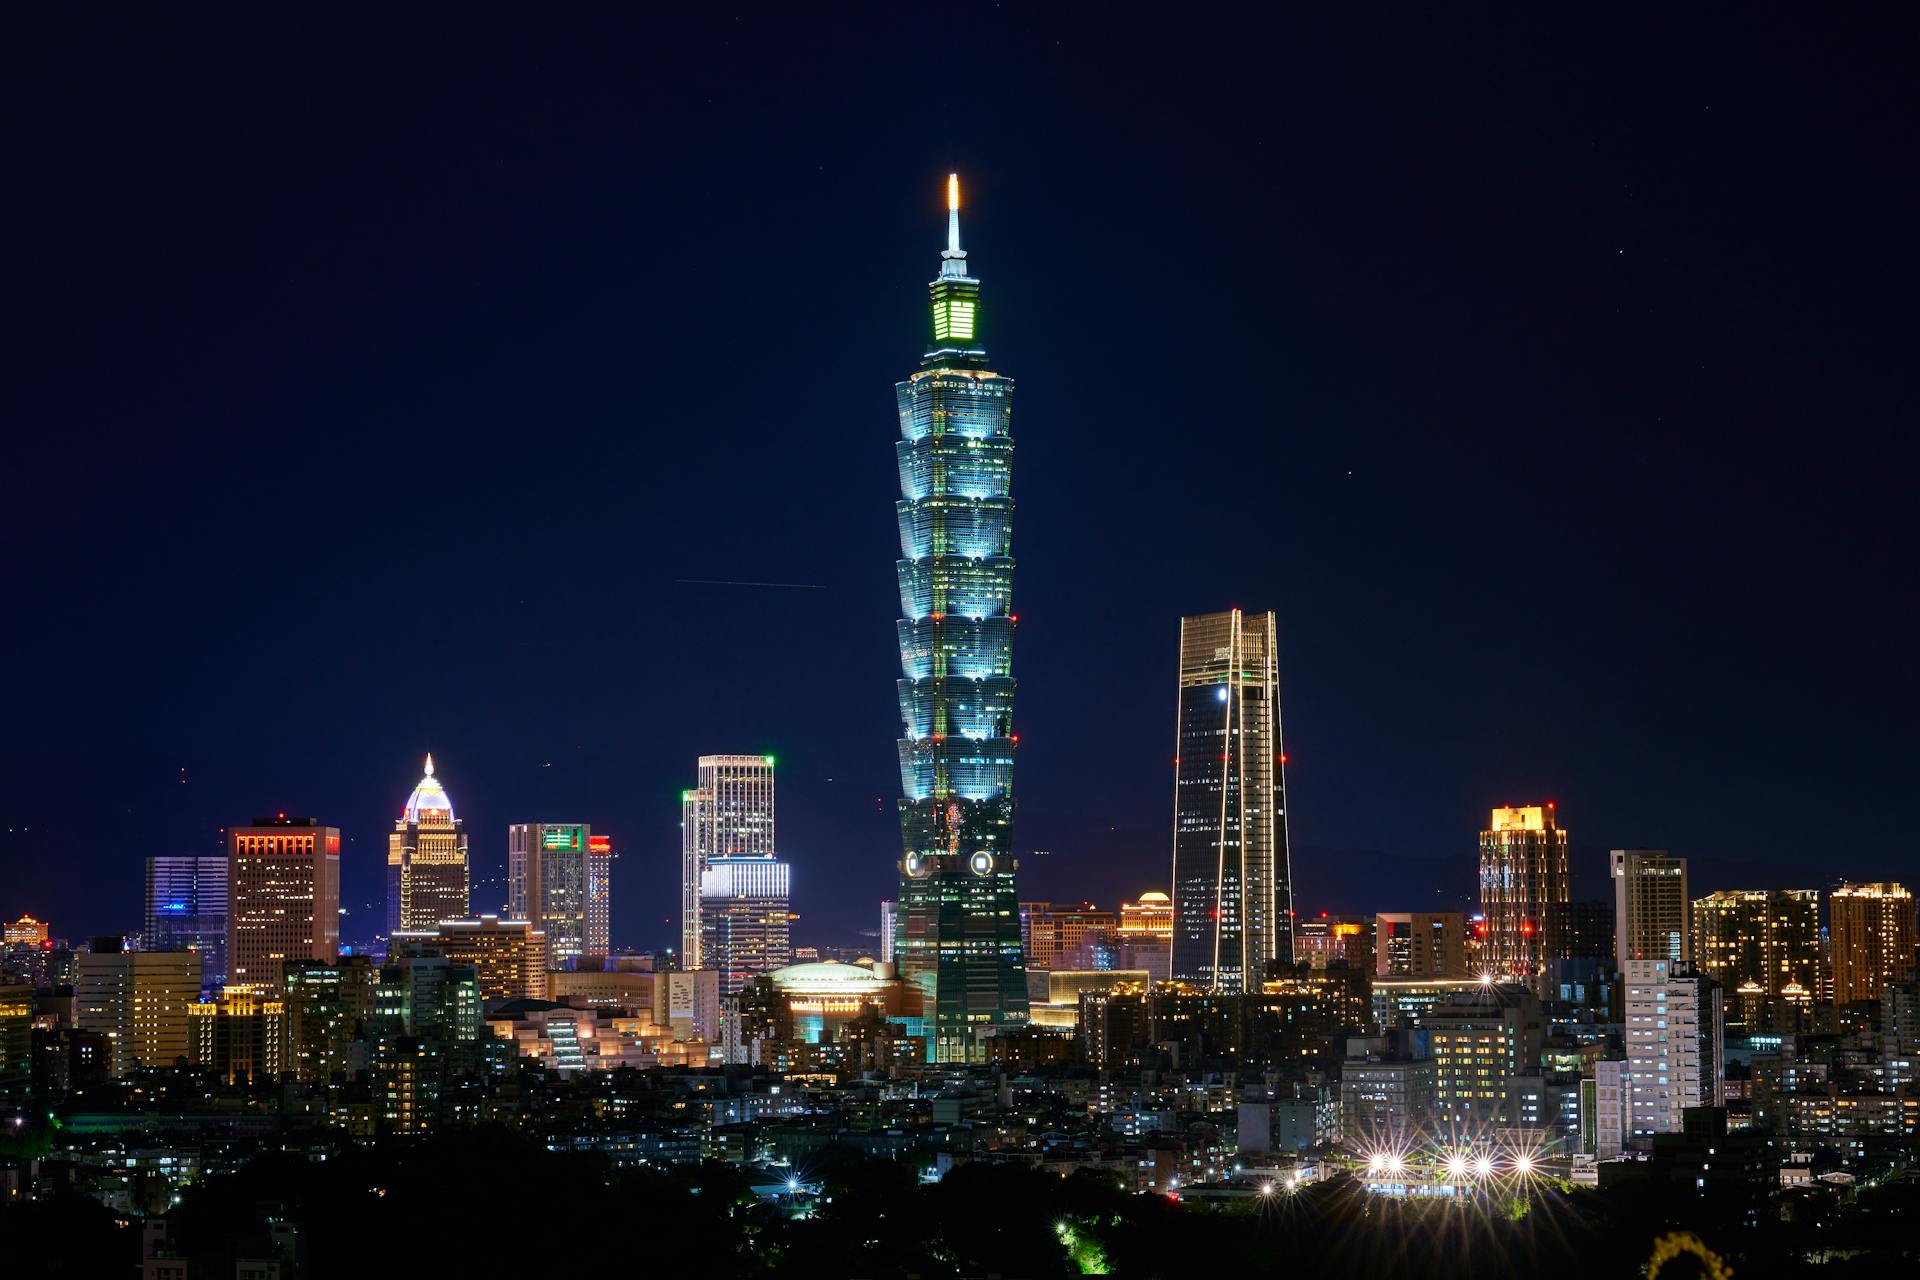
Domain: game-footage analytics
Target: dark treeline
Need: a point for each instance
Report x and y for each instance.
(489, 1202)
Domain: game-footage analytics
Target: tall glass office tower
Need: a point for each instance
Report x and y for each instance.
(1232, 884)
(958, 917)
(187, 907)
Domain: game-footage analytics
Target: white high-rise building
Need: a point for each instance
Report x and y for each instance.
(889, 922)
(1652, 915)
(1674, 1032)
(728, 813)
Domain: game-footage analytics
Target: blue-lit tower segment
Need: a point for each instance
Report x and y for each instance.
(959, 925)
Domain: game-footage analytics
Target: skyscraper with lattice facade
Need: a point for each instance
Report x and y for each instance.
(959, 926)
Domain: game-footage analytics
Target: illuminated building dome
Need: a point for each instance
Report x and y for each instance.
(826, 978)
(429, 801)
(1153, 895)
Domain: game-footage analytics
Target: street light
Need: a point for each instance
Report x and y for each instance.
(1483, 1166)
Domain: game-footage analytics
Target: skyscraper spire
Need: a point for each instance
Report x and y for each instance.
(953, 260)
(956, 295)
(953, 216)
(429, 764)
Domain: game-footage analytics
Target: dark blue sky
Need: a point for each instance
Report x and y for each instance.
(373, 378)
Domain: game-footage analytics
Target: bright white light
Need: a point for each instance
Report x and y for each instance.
(1457, 1166)
(1523, 1164)
(1486, 979)
(1377, 1163)
(1483, 1166)
(1223, 693)
(1266, 1188)
(1294, 1181)
(793, 1184)
(1395, 1164)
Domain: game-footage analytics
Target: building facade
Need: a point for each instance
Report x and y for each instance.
(139, 1001)
(330, 1014)
(1420, 944)
(1674, 1034)
(557, 880)
(1387, 1102)
(959, 926)
(1479, 1042)
(283, 897)
(1050, 931)
(1232, 885)
(1768, 937)
(187, 907)
(240, 1035)
(1524, 876)
(727, 814)
(1871, 926)
(427, 870)
(745, 915)
(509, 957)
(1653, 917)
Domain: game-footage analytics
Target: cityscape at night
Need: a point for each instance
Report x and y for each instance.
(506, 772)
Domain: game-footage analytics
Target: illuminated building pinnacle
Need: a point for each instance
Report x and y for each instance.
(953, 215)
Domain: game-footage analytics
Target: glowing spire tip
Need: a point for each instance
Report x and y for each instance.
(953, 215)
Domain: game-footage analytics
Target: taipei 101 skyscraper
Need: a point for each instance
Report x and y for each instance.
(958, 919)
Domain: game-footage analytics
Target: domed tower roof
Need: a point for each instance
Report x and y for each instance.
(429, 801)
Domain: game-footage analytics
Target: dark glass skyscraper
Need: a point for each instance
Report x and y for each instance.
(1232, 886)
(959, 922)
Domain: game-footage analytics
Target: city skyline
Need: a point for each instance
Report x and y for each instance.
(1368, 453)
(497, 407)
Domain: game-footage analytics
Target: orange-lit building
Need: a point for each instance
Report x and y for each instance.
(1150, 917)
(28, 930)
(1524, 880)
(1872, 930)
(510, 956)
(241, 1035)
(283, 897)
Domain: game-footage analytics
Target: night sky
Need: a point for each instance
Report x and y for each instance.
(373, 381)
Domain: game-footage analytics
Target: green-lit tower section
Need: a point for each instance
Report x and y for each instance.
(959, 918)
